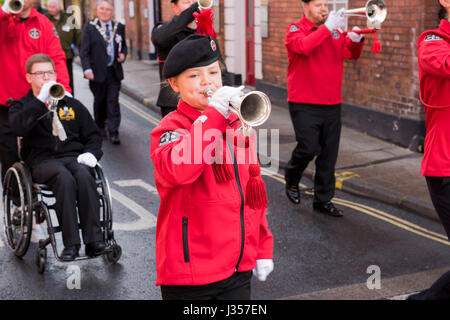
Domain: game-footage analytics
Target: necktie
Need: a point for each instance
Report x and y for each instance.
(109, 50)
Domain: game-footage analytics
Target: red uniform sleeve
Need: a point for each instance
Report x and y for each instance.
(298, 42)
(265, 250)
(177, 155)
(353, 50)
(434, 55)
(54, 51)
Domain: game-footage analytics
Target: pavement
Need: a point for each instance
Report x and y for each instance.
(366, 166)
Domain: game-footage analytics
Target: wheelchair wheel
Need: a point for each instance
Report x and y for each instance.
(114, 256)
(41, 259)
(17, 209)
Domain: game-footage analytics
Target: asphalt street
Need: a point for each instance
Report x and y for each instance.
(316, 256)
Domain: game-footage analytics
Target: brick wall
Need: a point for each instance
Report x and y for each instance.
(387, 81)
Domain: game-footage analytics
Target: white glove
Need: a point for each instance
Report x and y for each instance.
(88, 159)
(44, 95)
(336, 20)
(355, 37)
(263, 268)
(5, 6)
(222, 98)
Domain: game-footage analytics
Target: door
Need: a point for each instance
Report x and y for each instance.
(250, 43)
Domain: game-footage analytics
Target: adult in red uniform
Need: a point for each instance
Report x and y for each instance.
(434, 72)
(316, 52)
(21, 36)
(211, 230)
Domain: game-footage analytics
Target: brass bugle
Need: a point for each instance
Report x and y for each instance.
(253, 110)
(375, 11)
(57, 91)
(205, 4)
(15, 6)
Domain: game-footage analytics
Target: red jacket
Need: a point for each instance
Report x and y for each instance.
(316, 62)
(201, 223)
(20, 40)
(434, 71)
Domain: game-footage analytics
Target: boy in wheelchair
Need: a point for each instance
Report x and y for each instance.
(65, 166)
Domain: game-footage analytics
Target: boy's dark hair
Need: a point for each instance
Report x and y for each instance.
(38, 58)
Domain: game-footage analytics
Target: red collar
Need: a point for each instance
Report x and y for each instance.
(445, 26)
(188, 110)
(308, 24)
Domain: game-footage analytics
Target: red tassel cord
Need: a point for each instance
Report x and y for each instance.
(376, 46)
(205, 22)
(256, 197)
(222, 166)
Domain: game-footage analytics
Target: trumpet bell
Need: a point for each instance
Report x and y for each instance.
(57, 91)
(15, 6)
(375, 11)
(205, 4)
(255, 108)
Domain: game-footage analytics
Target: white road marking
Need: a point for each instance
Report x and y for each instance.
(137, 183)
(147, 219)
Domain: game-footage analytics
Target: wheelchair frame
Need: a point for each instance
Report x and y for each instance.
(18, 217)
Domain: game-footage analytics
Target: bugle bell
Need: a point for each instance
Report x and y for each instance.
(15, 6)
(253, 110)
(205, 4)
(57, 91)
(375, 11)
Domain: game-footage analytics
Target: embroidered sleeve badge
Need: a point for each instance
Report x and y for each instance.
(432, 37)
(169, 137)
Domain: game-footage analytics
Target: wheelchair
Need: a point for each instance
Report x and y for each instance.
(22, 199)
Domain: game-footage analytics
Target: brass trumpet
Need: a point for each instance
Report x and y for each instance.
(205, 4)
(375, 11)
(253, 110)
(15, 6)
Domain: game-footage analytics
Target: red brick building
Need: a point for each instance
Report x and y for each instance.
(381, 91)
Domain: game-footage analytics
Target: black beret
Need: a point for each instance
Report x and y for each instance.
(192, 52)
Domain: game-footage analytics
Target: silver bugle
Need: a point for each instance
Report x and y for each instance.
(15, 6)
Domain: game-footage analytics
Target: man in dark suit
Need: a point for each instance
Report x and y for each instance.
(102, 52)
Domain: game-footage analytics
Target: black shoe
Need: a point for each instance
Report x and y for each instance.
(293, 193)
(96, 249)
(115, 139)
(327, 208)
(70, 253)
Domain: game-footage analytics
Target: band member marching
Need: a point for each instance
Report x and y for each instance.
(434, 60)
(211, 230)
(433, 55)
(316, 52)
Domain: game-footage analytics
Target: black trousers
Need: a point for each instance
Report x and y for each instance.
(236, 287)
(8, 142)
(106, 102)
(70, 70)
(439, 189)
(72, 183)
(166, 110)
(317, 131)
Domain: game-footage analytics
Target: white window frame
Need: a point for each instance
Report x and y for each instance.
(336, 5)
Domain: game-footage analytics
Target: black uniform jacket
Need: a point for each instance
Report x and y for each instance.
(93, 53)
(165, 36)
(39, 143)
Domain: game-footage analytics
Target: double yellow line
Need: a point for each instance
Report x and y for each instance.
(401, 223)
